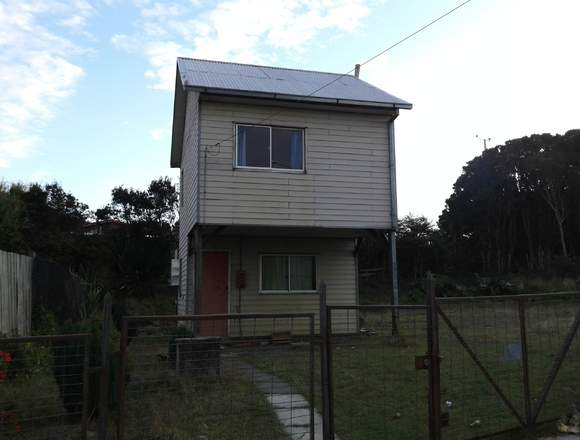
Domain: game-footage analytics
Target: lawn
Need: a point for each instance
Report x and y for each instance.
(379, 394)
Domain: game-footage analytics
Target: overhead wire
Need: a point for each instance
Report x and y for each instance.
(374, 57)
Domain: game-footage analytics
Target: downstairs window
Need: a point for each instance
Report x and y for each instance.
(288, 274)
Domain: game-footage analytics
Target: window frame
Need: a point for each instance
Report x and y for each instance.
(270, 168)
(289, 291)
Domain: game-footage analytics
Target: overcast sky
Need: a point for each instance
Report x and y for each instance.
(86, 87)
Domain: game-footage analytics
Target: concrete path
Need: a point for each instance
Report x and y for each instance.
(291, 408)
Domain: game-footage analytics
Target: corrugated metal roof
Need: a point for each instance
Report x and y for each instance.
(301, 84)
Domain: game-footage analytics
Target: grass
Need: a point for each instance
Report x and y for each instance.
(165, 405)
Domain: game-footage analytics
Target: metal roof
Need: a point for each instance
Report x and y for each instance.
(280, 83)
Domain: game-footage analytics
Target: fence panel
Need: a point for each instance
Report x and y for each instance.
(15, 294)
(44, 387)
(224, 377)
(377, 390)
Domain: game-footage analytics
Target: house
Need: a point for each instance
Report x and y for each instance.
(282, 172)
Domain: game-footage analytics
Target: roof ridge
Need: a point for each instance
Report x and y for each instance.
(268, 67)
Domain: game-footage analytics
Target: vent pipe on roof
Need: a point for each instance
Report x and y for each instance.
(356, 70)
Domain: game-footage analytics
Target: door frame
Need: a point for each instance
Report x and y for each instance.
(228, 286)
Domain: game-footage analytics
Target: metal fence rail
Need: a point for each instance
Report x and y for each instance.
(222, 376)
(44, 387)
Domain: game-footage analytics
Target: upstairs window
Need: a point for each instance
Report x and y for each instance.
(288, 273)
(269, 147)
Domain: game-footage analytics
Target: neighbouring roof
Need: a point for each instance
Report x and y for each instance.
(249, 80)
(283, 83)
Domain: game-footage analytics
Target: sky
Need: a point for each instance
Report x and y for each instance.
(86, 88)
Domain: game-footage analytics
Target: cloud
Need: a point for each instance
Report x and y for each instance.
(250, 31)
(36, 70)
(158, 134)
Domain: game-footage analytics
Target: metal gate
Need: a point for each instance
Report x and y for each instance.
(258, 382)
(375, 357)
(508, 362)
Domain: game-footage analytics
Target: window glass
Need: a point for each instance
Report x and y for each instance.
(302, 273)
(275, 272)
(253, 146)
(287, 147)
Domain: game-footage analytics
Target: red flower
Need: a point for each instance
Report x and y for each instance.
(5, 356)
(2, 375)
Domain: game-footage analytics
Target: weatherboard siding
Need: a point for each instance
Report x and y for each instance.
(336, 267)
(189, 188)
(346, 183)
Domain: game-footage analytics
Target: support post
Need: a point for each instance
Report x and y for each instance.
(434, 359)
(326, 368)
(105, 368)
(395, 283)
(198, 274)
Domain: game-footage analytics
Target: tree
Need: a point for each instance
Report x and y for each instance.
(137, 250)
(510, 205)
(41, 219)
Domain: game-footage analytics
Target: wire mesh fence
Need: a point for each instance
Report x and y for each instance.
(224, 377)
(501, 367)
(377, 390)
(506, 363)
(44, 387)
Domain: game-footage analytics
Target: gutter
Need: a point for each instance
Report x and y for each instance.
(297, 98)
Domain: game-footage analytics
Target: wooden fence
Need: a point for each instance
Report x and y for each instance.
(15, 294)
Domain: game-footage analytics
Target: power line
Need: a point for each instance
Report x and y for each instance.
(411, 35)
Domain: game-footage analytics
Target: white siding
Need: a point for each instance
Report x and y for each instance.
(189, 198)
(346, 183)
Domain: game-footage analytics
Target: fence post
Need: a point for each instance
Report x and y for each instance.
(326, 368)
(312, 376)
(105, 368)
(434, 359)
(86, 366)
(121, 378)
(525, 362)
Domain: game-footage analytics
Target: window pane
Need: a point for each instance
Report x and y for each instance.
(253, 146)
(303, 273)
(275, 273)
(287, 148)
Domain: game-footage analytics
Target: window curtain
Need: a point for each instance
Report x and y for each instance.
(296, 150)
(302, 273)
(242, 147)
(275, 273)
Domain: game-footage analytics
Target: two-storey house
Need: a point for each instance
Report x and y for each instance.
(282, 172)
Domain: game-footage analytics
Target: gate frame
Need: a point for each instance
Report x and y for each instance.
(531, 412)
(326, 352)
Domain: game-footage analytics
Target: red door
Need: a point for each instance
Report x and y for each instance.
(214, 293)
